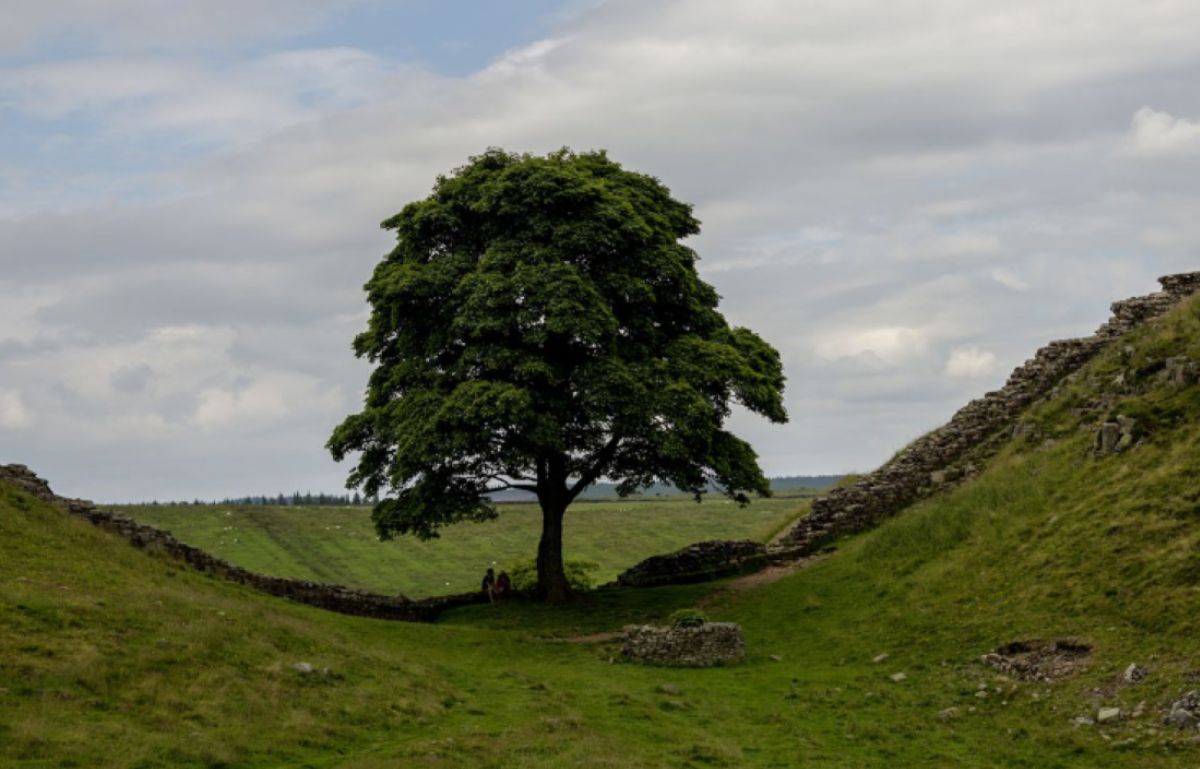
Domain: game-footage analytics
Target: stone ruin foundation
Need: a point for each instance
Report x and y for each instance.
(701, 646)
(1039, 660)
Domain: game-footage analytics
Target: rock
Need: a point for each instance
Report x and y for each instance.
(1107, 438)
(937, 477)
(1082, 721)
(880, 658)
(1135, 673)
(670, 689)
(1185, 711)
(1139, 710)
(949, 713)
(982, 694)
(775, 658)
(898, 677)
(303, 667)
(1108, 715)
(1181, 719)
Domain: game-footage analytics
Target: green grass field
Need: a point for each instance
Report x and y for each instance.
(111, 657)
(338, 545)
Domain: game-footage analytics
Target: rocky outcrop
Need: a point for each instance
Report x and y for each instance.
(979, 426)
(700, 562)
(702, 646)
(331, 597)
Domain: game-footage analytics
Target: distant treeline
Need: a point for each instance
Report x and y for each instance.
(597, 491)
(279, 500)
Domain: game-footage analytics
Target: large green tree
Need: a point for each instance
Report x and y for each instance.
(538, 326)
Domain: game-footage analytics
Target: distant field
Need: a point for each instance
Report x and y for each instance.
(338, 544)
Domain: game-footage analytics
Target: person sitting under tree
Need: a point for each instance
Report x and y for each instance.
(489, 585)
(503, 585)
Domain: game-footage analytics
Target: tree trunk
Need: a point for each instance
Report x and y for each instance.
(552, 577)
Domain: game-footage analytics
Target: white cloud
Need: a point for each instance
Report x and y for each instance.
(13, 413)
(1157, 134)
(970, 363)
(892, 345)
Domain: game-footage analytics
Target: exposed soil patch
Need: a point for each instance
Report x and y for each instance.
(758, 579)
(1039, 660)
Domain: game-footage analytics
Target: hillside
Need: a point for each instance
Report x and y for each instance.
(338, 545)
(114, 657)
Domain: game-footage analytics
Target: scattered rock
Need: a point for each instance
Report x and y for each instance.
(982, 694)
(898, 677)
(1082, 721)
(1185, 711)
(670, 689)
(303, 667)
(1108, 715)
(949, 714)
(880, 658)
(775, 658)
(1135, 673)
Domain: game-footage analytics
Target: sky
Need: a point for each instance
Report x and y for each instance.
(906, 197)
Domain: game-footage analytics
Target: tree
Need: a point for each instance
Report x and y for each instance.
(539, 326)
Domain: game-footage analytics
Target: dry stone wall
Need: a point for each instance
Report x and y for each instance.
(707, 645)
(700, 562)
(986, 422)
(331, 597)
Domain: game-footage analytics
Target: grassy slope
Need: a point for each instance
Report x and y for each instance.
(1048, 542)
(338, 545)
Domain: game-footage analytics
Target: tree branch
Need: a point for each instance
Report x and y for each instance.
(603, 457)
(506, 485)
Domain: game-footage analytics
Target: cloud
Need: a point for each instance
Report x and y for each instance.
(970, 363)
(1157, 134)
(892, 345)
(13, 413)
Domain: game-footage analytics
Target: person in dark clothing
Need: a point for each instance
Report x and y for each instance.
(489, 585)
(503, 585)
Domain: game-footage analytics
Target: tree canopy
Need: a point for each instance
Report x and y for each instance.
(539, 325)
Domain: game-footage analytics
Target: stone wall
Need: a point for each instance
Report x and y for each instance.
(707, 645)
(700, 562)
(980, 426)
(331, 597)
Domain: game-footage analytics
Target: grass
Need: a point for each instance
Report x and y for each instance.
(338, 544)
(110, 657)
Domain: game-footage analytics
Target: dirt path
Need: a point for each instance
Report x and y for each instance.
(759, 579)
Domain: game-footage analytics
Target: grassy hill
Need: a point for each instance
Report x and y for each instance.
(338, 545)
(113, 657)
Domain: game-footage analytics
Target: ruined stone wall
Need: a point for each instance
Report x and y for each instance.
(985, 423)
(707, 645)
(331, 597)
(700, 562)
